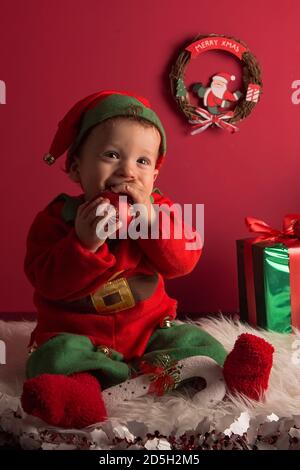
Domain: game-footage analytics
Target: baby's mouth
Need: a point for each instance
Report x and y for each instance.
(109, 187)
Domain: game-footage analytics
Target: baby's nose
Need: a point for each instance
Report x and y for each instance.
(126, 169)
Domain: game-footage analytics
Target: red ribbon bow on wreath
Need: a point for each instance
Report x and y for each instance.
(212, 119)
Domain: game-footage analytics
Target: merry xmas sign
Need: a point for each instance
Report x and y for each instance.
(210, 43)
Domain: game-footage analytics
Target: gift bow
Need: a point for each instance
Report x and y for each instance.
(210, 119)
(290, 227)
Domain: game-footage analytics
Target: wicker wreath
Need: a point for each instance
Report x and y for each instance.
(251, 75)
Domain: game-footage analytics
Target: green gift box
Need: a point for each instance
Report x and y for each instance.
(269, 276)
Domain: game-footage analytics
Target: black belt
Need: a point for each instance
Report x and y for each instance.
(113, 296)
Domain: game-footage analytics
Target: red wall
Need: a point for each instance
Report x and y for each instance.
(55, 52)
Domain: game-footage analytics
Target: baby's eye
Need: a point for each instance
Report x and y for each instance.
(111, 154)
(143, 160)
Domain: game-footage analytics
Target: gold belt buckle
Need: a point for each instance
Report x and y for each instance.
(113, 296)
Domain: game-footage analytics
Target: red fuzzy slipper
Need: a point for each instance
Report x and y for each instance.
(73, 401)
(247, 367)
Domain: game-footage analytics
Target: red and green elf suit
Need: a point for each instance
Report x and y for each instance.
(82, 344)
(64, 274)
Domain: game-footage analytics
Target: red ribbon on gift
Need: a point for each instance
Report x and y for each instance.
(212, 119)
(289, 236)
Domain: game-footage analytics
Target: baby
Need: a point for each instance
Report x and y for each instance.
(101, 302)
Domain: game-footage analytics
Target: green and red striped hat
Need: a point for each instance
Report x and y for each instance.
(94, 109)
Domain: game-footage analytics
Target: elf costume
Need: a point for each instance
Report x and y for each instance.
(104, 318)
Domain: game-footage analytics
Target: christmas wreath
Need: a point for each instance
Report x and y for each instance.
(217, 98)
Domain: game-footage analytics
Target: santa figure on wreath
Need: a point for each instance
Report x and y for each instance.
(217, 97)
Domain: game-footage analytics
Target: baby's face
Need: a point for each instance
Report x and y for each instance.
(117, 152)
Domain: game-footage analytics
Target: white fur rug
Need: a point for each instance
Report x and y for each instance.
(175, 420)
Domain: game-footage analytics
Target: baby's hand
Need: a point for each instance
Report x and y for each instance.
(86, 222)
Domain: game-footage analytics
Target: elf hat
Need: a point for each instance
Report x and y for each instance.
(94, 109)
(224, 77)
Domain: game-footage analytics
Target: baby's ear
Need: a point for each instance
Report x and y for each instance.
(155, 174)
(74, 173)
